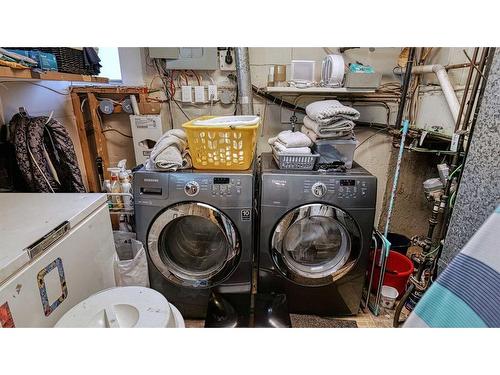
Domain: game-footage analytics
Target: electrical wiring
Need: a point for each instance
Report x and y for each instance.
(64, 93)
(82, 104)
(209, 77)
(184, 113)
(371, 136)
(455, 171)
(196, 76)
(263, 119)
(111, 129)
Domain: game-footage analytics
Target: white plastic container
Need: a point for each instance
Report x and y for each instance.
(123, 307)
(388, 297)
(332, 150)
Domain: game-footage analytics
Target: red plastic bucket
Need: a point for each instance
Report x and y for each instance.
(398, 270)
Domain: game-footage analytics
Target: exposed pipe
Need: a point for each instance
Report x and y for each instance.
(245, 97)
(444, 82)
(466, 89)
(404, 89)
(475, 87)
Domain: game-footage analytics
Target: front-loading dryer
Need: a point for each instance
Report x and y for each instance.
(315, 231)
(197, 227)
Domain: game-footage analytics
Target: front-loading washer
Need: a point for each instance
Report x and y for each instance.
(197, 227)
(314, 235)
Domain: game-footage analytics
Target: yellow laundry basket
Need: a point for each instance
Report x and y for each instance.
(222, 142)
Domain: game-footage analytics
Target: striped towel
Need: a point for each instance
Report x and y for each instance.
(467, 293)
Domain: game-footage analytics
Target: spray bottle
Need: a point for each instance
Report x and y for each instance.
(125, 185)
(116, 188)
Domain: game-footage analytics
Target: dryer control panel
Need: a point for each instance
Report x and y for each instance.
(346, 191)
(348, 188)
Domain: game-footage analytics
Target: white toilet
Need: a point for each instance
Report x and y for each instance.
(123, 307)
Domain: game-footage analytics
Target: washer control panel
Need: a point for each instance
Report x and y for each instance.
(226, 186)
(214, 186)
(192, 188)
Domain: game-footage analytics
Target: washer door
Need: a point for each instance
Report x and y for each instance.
(315, 244)
(194, 244)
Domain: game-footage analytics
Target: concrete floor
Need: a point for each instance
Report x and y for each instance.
(363, 320)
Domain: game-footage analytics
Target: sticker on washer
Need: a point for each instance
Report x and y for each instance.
(246, 214)
(47, 309)
(6, 320)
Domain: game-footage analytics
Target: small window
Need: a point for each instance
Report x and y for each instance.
(110, 62)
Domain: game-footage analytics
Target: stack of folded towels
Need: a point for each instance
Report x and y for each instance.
(328, 119)
(288, 142)
(170, 152)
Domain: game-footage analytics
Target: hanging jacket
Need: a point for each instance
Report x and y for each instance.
(45, 155)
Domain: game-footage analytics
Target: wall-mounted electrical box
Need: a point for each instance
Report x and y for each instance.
(226, 59)
(195, 58)
(164, 52)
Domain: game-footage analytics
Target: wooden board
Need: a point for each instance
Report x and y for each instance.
(110, 89)
(100, 139)
(90, 167)
(8, 73)
(58, 76)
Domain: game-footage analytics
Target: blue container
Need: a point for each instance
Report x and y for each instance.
(46, 61)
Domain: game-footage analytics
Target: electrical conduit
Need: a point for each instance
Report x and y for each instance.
(245, 97)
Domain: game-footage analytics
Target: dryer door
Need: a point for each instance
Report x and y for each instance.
(194, 244)
(315, 244)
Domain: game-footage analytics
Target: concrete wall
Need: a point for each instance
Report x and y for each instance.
(479, 191)
(375, 154)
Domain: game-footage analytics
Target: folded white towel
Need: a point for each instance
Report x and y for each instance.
(169, 153)
(291, 139)
(334, 135)
(186, 159)
(338, 128)
(280, 149)
(328, 111)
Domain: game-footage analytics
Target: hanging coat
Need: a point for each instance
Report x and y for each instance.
(45, 155)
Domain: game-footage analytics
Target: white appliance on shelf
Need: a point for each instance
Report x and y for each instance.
(332, 70)
(146, 130)
(55, 251)
(303, 73)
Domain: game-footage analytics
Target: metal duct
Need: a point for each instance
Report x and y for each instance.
(245, 99)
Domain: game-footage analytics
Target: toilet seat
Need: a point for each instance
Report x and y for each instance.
(123, 307)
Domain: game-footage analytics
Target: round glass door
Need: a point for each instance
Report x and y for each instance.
(315, 244)
(194, 244)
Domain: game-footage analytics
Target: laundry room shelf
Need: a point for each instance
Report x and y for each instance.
(9, 74)
(317, 90)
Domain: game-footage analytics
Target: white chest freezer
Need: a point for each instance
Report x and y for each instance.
(55, 251)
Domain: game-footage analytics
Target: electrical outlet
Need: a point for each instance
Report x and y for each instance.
(223, 65)
(286, 114)
(212, 92)
(187, 94)
(199, 94)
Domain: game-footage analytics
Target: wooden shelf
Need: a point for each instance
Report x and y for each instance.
(27, 74)
(318, 90)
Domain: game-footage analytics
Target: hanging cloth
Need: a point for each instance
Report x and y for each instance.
(45, 155)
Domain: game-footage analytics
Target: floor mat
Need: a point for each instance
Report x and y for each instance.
(312, 321)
